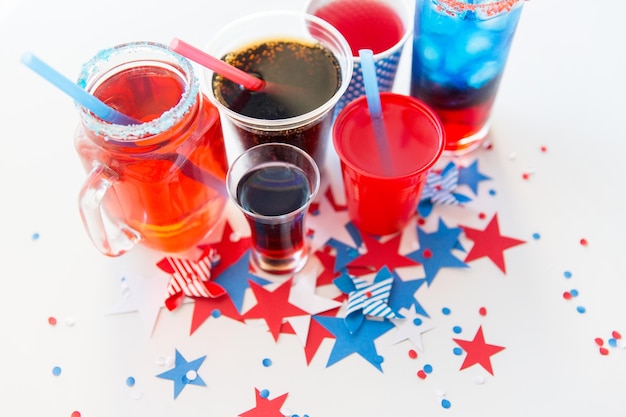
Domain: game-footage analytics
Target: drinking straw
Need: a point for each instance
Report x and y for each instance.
(85, 99)
(234, 74)
(374, 105)
(109, 114)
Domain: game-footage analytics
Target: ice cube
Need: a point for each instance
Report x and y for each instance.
(483, 73)
(478, 44)
(430, 56)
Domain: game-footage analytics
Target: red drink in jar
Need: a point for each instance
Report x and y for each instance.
(160, 181)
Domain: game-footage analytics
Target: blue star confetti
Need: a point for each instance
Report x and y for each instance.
(435, 250)
(360, 342)
(235, 278)
(184, 373)
(471, 177)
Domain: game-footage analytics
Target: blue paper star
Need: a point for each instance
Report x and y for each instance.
(235, 278)
(361, 342)
(471, 177)
(435, 250)
(184, 373)
(345, 253)
(403, 295)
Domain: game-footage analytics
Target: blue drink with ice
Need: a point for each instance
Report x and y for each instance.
(460, 49)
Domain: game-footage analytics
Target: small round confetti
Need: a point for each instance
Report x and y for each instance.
(482, 216)
(264, 393)
(567, 274)
(457, 329)
(421, 374)
(69, 322)
(604, 351)
(130, 381)
(75, 414)
(412, 354)
(216, 313)
(52, 321)
(612, 342)
(567, 295)
(427, 253)
(599, 341)
(56, 371)
(428, 368)
(417, 321)
(492, 192)
(446, 311)
(482, 311)
(584, 242)
(479, 380)
(267, 362)
(616, 334)
(536, 236)
(574, 292)
(445, 403)
(35, 236)
(457, 351)
(191, 375)
(581, 309)
(544, 149)
(526, 175)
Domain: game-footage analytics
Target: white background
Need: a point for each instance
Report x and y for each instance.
(564, 88)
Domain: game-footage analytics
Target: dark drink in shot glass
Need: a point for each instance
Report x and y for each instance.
(273, 184)
(307, 66)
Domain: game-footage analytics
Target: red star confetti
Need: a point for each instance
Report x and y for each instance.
(490, 243)
(273, 306)
(265, 407)
(227, 251)
(327, 261)
(216, 307)
(478, 352)
(189, 278)
(379, 255)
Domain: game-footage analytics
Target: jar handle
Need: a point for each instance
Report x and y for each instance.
(111, 236)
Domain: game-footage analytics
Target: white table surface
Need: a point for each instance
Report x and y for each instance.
(563, 89)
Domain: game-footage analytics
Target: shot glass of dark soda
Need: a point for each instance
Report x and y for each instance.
(273, 184)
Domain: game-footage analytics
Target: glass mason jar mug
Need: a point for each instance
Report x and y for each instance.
(159, 182)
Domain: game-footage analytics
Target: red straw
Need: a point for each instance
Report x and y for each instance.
(234, 74)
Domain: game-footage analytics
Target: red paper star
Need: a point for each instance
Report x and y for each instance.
(327, 260)
(265, 407)
(273, 306)
(478, 352)
(229, 251)
(379, 255)
(317, 333)
(490, 243)
(204, 308)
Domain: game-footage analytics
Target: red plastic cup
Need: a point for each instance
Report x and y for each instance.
(382, 199)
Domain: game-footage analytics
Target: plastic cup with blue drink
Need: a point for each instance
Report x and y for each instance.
(460, 49)
(383, 26)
